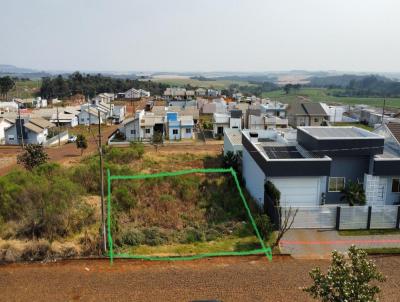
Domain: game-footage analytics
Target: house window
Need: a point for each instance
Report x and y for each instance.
(133, 131)
(316, 120)
(174, 131)
(336, 184)
(147, 131)
(396, 185)
(188, 130)
(11, 137)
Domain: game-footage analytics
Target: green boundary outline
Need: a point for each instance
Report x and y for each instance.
(264, 250)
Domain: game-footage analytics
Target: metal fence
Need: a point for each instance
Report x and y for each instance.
(346, 217)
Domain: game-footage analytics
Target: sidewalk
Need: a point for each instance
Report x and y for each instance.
(318, 244)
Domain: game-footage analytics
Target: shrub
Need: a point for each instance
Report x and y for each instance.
(154, 236)
(36, 250)
(123, 199)
(264, 226)
(33, 156)
(133, 237)
(194, 235)
(272, 192)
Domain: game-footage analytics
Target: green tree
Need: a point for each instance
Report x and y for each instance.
(353, 193)
(287, 88)
(346, 280)
(231, 159)
(157, 139)
(6, 84)
(81, 142)
(33, 156)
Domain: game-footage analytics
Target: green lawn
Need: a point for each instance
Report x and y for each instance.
(218, 84)
(384, 250)
(324, 95)
(368, 232)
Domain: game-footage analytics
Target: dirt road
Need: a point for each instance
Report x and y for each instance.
(223, 279)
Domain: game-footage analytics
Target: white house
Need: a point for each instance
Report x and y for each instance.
(4, 123)
(134, 93)
(32, 130)
(90, 115)
(233, 120)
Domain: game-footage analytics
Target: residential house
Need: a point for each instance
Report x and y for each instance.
(64, 119)
(105, 97)
(179, 127)
(201, 92)
(175, 92)
(30, 130)
(233, 120)
(306, 114)
(134, 94)
(256, 119)
(4, 124)
(213, 92)
(311, 171)
(90, 115)
(335, 113)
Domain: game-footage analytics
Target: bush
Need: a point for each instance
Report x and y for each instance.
(123, 199)
(133, 237)
(194, 235)
(264, 226)
(33, 156)
(36, 251)
(44, 206)
(154, 236)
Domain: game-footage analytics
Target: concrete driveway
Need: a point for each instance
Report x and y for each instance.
(318, 244)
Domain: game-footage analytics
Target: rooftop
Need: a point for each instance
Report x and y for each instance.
(234, 136)
(339, 132)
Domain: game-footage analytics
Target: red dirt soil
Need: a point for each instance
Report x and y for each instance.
(225, 279)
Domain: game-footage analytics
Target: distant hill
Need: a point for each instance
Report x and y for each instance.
(4, 68)
(341, 81)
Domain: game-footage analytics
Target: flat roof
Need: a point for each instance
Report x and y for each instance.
(234, 136)
(339, 132)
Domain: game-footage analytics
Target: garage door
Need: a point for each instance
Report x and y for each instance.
(298, 191)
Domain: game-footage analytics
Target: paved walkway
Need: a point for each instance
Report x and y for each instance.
(318, 244)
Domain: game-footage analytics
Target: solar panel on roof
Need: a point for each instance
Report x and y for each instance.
(282, 152)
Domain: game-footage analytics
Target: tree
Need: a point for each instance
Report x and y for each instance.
(6, 84)
(81, 142)
(33, 156)
(353, 193)
(346, 280)
(286, 217)
(287, 88)
(157, 139)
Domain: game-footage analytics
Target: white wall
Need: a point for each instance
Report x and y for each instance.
(235, 123)
(254, 178)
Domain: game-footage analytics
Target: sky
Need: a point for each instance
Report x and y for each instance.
(201, 35)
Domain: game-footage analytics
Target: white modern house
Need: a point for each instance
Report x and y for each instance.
(233, 120)
(134, 94)
(311, 171)
(4, 124)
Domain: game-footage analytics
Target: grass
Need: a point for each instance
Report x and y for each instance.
(218, 84)
(25, 89)
(383, 250)
(226, 244)
(368, 232)
(325, 95)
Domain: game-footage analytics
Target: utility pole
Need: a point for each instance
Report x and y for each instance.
(20, 127)
(103, 224)
(58, 126)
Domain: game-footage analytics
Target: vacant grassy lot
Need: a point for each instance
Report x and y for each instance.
(25, 89)
(54, 211)
(323, 95)
(218, 84)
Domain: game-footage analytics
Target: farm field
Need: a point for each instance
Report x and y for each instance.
(218, 84)
(322, 95)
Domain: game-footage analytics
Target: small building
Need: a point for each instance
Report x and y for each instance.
(306, 114)
(232, 141)
(134, 94)
(89, 115)
(30, 130)
(4, 124)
